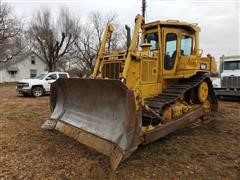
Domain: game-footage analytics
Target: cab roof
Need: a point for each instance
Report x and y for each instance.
(174, 24)
(232, 60)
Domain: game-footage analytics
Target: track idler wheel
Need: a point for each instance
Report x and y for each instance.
(203, 92)
(200, 93)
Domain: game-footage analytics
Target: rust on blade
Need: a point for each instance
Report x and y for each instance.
(115, 158)
(105, 108)
(100, 114)
(101, 145)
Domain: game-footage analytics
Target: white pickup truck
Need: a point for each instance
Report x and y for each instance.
(228, 84)
(40, 85)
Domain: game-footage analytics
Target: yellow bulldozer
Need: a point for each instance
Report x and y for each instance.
(159, 84)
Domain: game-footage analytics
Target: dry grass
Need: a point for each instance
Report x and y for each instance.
(27, 152)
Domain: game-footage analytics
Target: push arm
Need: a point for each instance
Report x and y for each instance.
(101, 51)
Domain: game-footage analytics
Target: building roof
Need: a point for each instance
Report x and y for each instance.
(18, 59)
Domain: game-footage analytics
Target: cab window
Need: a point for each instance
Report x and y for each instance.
(186, 45)
(63, 75)
(152, 38)
(170, 51)
(52, 77)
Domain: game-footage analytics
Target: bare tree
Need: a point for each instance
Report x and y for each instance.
(89, 41)
(54, 39)
(11, 33)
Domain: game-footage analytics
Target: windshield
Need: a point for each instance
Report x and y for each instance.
(232, 65)
(41, 76)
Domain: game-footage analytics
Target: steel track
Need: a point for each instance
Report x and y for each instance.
(181, 90)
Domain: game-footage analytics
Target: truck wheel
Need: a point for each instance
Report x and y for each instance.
(37, 91)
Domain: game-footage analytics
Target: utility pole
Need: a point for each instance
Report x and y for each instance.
(144, 8)
(1, 16)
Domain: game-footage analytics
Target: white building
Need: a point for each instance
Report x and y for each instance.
(27, 65)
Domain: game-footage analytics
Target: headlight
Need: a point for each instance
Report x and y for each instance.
(20, 84)
(203, 66)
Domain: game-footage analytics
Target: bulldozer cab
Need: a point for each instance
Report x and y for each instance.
(166, 47)
(173, 42)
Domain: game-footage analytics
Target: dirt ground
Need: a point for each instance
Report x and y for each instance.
(211, 151)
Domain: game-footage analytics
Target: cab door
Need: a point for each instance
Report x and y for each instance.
(149, 63)
(149, 66)
(170, 51)
(186, 46)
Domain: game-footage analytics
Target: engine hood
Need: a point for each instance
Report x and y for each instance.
(31, 81)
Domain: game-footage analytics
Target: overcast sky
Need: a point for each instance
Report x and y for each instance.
(218, 19)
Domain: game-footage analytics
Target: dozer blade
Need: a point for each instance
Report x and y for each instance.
(98, 113)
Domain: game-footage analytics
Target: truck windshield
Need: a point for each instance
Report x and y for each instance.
(232, 65)
(41, 76)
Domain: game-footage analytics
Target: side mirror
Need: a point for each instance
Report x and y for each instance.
(221, 64)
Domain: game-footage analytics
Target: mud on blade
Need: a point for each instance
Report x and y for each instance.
(98, 113)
